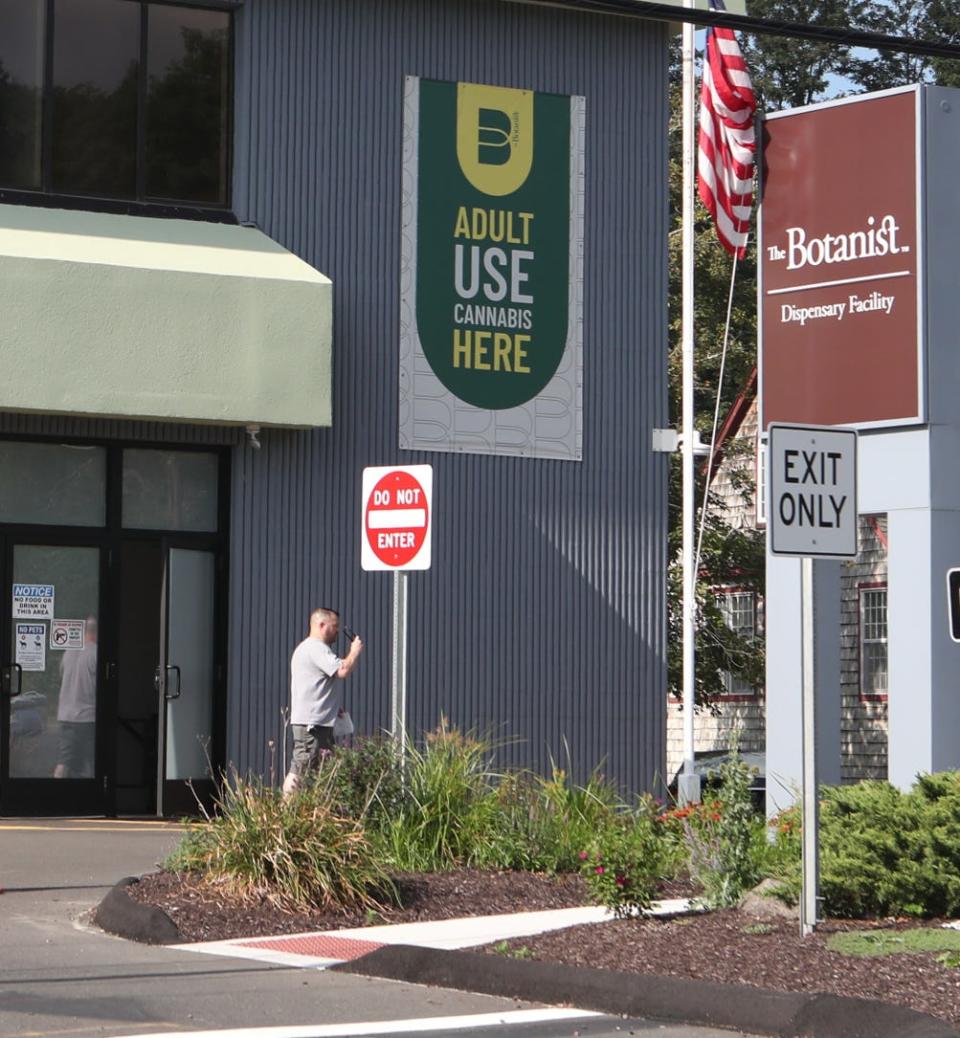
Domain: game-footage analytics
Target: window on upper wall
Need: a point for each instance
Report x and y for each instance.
(739, 609)
(873, 641)
(115, 99)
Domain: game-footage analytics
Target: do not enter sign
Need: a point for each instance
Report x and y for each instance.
(397, 507)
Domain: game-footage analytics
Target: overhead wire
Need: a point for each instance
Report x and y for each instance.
(846, 36)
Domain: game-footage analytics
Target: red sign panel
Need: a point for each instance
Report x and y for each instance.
(839, 254)
(396, 518)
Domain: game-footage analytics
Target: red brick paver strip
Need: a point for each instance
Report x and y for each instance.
(320, 946)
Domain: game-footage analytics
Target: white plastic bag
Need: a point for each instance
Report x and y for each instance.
(343, 726)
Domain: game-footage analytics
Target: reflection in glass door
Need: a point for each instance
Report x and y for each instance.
(186, 678)
(51, 672)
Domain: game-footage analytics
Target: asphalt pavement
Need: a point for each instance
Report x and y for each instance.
(62, 977)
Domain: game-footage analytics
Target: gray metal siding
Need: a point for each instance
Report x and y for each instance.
(543, 615)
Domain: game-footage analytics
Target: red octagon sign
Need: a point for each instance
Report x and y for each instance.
(396, 519)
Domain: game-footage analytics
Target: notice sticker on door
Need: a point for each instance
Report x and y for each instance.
(32, 646)
(33, 601)
(66, 634)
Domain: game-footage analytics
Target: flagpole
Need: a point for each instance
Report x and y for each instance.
(688, 784)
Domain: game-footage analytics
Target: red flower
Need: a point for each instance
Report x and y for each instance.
(599, 870)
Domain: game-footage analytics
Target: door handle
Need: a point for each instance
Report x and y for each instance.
(6, 682)
(167, 693)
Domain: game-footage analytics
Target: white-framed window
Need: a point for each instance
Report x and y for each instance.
(739, 609)
(873, 640)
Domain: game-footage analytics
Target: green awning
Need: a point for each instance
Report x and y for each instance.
(137, 317)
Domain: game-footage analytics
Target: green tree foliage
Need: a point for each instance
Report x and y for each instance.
(786, 72)
(934, 20)
(729, 556)
(789, 72)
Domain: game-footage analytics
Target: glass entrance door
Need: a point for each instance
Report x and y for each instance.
(166, 677)
(51, 682)
(185, 680)
(112, 642)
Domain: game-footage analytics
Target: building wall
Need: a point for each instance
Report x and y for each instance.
(863, 736)
(543, 616)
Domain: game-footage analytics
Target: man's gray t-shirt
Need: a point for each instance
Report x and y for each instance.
(314, 692)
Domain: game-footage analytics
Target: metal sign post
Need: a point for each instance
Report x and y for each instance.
(398, 672)
(396, 534)
(811, 513)
(811, 804)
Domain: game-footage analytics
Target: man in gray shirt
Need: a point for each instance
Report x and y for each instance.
(77, 707)
(315, 699)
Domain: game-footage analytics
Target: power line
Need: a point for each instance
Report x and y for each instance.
(839, 35)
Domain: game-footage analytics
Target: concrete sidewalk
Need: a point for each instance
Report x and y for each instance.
(323, 949)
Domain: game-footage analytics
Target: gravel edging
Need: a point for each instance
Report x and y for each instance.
(667, 999)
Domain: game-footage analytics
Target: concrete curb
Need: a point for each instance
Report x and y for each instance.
(667, 999)
(119, 914)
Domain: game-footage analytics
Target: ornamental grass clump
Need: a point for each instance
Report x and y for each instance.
(448, 810)
(295, 852)
(544, 823)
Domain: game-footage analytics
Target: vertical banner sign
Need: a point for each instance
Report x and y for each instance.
(840, 254)
(492, 271)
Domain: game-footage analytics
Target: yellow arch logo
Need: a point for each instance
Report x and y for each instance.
(494, 136)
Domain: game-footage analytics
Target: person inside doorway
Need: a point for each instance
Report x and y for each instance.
(315, 696)
(77, 709)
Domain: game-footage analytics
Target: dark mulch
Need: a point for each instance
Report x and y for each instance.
(726, 947)
(730, 947)
(203, 913)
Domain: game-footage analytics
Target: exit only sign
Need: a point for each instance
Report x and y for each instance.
(812, 507)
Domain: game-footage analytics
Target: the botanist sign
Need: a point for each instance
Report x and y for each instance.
(492, 270)
(840, 255)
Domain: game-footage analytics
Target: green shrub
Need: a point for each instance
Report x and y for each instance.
(883, 852)
(623, 864)
(296, 852)
(369, 781)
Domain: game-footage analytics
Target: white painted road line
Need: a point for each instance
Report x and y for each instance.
(421, 1026)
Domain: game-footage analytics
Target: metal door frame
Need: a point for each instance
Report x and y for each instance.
(175, 796)
(97, 796)
(38, 796)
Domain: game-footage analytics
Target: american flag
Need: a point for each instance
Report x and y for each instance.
(727, 143)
